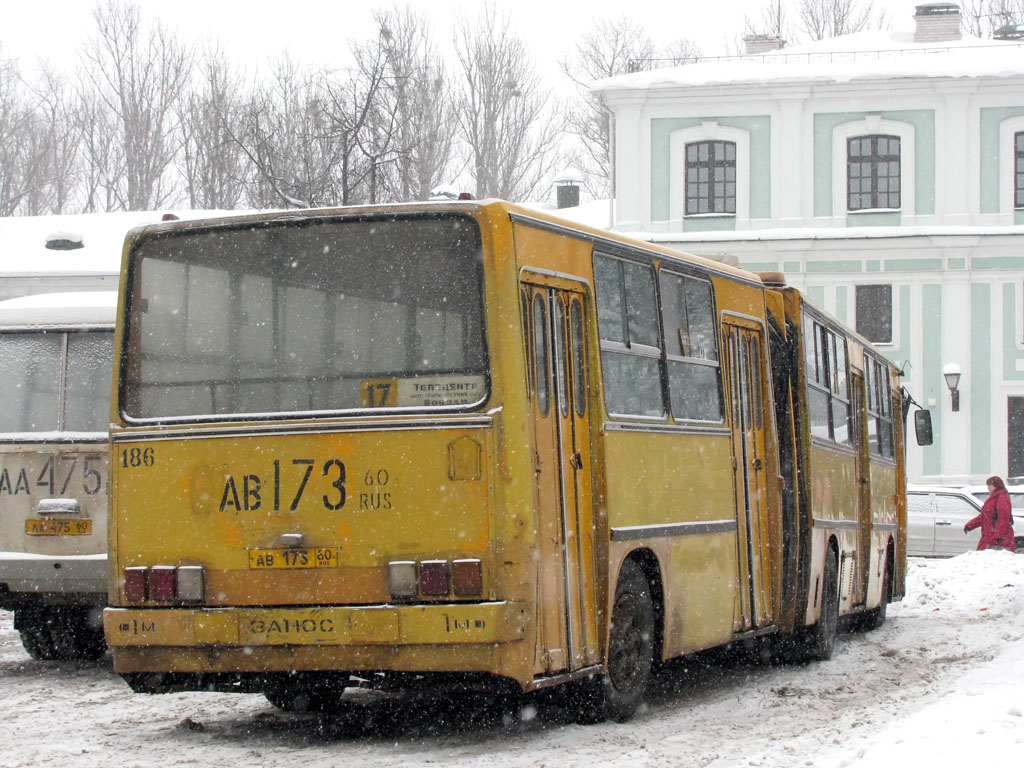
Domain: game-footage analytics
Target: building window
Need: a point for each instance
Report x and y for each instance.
(873, 172)
(711, 177)
(1015, 438)
(1018, 170)
(874, 312)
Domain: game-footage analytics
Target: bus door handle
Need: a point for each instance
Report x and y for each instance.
(576, 460)
(943, 522)
(757, 464)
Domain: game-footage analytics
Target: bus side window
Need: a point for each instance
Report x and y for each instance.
(579, 365)
(540, 342)
(527, 348)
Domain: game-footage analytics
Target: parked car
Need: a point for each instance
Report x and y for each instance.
(936, 516)
(980, 492)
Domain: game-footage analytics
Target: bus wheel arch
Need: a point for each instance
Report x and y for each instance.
(651, 568)
(616, 693)
(818, 640)
(822, 635)
(876, 617)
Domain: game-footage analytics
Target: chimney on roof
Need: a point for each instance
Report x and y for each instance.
(937, 23)
(756, 44)
(1009, 32)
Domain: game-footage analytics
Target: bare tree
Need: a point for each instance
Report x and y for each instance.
(983, 17)
(284, 138)
(821, 19)
(211, 163)
(103, 170)
(370, 112)
(773, 21)
(508, 121)
(60, 157)
(17, 127)
(612, 47)
(417, 91)
(137, 75)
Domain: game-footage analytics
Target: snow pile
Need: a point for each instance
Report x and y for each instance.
(978, 718)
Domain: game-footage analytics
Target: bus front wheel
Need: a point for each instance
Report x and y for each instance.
(617, 693)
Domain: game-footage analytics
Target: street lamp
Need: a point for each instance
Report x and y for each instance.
(951, 373)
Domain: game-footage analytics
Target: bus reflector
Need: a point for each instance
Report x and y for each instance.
(135, 584)
(402, 576)
(467, 578)
(434, 577)
(161, 582)
(190, 583)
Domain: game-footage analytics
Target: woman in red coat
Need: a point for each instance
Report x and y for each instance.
(995, 517)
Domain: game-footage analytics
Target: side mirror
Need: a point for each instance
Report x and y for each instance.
(923, 427)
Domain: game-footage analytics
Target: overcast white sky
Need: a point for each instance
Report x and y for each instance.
(254, 31)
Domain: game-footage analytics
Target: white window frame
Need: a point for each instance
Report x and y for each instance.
(870, 126)
(1007, 129)
(708, 131)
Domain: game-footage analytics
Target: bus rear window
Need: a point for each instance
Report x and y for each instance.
(313, 315)
(37, 363)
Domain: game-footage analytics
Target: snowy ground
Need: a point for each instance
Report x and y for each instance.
(942, 683)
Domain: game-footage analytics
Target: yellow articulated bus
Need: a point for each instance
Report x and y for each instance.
(472, 442)
(56, 352)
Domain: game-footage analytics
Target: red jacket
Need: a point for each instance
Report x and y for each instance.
(994, 520)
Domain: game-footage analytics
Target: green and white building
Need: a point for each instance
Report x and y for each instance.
(883, 173)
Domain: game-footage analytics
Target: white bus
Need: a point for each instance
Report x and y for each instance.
(56, 354)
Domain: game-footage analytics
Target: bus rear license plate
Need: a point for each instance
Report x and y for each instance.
(313, 557)
(57, 527)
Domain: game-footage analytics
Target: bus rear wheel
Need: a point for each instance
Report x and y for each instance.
(619, 691)
(302, 693)
(821, 638)
(61, 633)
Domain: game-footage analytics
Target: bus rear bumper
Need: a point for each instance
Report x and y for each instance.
(26, 576)
(450, 637)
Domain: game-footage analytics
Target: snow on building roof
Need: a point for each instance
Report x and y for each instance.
(23, 241)
(830, 233)
(861, 56)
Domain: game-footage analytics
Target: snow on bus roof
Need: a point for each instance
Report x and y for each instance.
(23, 240)
(861, 56)
(59, 309)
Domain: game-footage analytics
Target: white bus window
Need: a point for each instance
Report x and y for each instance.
(87, 382)
(31, 363)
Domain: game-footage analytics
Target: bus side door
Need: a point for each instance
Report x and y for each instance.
(566, 592)
(857, 400)
(744, 342)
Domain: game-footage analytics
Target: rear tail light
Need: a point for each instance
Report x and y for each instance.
(467, 578)
(402, 576)
(161, 582)
(190, 583)
(434, 578)
(164, 583)
(135, 584)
